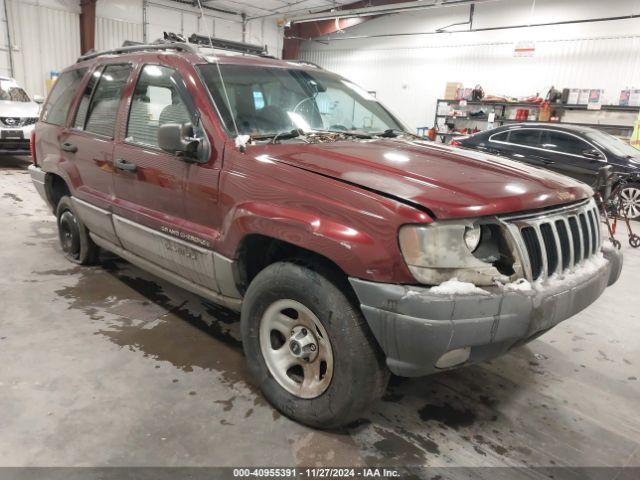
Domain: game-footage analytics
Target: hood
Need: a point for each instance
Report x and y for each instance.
(19, 109)
(449, 182)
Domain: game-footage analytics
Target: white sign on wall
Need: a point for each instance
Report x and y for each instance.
(524, 48)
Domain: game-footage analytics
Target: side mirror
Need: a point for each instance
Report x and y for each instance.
(178, 139)
(38, 99)
(592, 154)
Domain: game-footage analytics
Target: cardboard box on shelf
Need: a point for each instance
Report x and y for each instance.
(623, 101)
(595, 99)
(574, 96)
(451, 90)
(583, 99)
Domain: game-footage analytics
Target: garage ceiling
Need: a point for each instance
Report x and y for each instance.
(274, 7)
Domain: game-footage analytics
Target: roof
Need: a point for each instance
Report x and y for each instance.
(549, 125)
(192, 55)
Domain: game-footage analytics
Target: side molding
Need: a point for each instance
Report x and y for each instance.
(185, 259)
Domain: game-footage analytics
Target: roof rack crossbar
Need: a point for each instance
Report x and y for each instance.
(138, 48)
(223, 44)
(305, 62)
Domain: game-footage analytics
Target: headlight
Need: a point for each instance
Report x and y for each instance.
(468, 251)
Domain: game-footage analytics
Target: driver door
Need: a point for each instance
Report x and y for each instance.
(149, 211)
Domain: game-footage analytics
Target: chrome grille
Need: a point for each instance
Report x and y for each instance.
(555, 241)
(18, 121)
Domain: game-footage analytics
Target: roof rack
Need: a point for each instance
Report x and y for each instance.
(222, 44)
(304, 62)
(139, 48)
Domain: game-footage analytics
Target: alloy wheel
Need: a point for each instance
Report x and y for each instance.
(631, 201)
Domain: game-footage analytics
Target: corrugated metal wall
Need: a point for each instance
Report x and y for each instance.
(5, 64)
(111, 32)
(44, 39)
(409, 80)
(186, 20)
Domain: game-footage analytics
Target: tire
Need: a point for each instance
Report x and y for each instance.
(74, 236)
(630, 195)
(357, 375)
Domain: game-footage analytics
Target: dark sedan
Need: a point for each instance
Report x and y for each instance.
(572, 150)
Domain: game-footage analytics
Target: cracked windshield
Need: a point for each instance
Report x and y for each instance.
(266, 102)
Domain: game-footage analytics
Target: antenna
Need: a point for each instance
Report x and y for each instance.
(215, 59)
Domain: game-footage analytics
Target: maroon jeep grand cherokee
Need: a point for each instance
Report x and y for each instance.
(351, 248)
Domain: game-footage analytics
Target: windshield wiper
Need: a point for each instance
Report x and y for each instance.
(396, 132)
(275, 137)
(350, 133)
(278, 136)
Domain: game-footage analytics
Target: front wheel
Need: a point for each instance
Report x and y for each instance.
(308, 346)
(630, 195)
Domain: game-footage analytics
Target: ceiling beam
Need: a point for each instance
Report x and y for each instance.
(296, 33)
(87, 25)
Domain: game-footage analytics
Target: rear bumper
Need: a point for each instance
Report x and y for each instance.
(38, 179)
(415, 328)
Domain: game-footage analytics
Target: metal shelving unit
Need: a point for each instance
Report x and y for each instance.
(500, 110)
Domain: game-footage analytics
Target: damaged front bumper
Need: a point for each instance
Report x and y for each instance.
(420, 332)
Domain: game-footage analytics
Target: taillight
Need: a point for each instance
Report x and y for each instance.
(455, 143)
(32, 146)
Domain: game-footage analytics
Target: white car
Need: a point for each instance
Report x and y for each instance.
(18, 116)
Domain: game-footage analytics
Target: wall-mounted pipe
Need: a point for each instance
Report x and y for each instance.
(394, 7)
(484, 29)
(206, 7)
(9, 42)
(145, 21)
(178, 8)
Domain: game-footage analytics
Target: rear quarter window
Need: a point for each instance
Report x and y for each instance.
(57, 107)
(499, 137)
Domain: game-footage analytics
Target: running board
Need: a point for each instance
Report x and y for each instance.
(231, 303)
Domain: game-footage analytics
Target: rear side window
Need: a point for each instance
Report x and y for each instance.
(81, 113)
(527, 137)
(156, 100)
(500, 137)
(103, 109)
(57, 107)
(561, 142)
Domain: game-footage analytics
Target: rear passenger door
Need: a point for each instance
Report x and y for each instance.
(150, 183)
(88, 144)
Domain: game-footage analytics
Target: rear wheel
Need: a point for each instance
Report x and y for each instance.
(308, 346)
(74, 236)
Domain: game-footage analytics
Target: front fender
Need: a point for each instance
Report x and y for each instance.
(354, 250)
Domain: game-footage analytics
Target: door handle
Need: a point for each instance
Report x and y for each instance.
(69, 147)
(548, 162)
(122, 164)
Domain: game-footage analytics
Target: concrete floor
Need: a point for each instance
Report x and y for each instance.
(109, 366)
